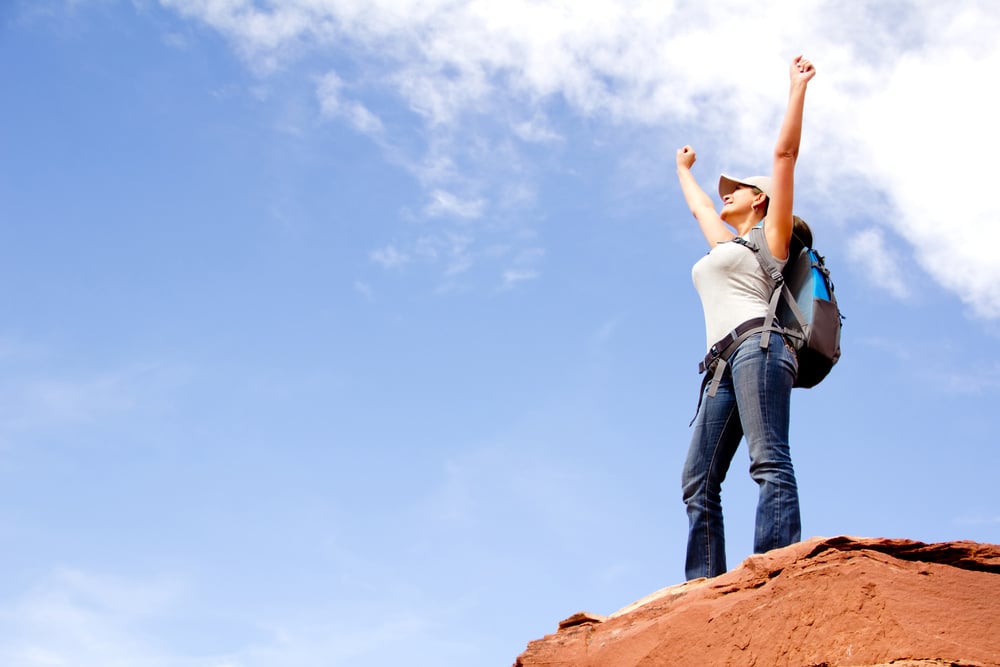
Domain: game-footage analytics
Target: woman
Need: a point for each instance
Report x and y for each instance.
(748, 386)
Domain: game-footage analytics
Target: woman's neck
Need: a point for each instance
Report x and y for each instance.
(744, 226)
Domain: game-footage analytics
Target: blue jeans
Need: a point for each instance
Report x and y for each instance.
(753, 400)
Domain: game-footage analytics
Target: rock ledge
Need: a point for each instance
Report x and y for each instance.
(825, 602)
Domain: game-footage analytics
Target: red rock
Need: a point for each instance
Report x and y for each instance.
(825, 602)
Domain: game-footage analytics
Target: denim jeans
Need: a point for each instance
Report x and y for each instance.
(753, 400)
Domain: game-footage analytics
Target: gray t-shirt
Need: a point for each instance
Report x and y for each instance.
(733, 288)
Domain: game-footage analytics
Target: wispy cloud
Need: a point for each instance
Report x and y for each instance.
(84, 619)
(389, 257)
(334, 105)
(524, 267)
(87, 619)
(536, 129)
(364, 289)
(512, 277)
(929, 154)
(880, 261)
(971, 379)
(443, 203)
(942, 370)
(36, 398)
(882, 115)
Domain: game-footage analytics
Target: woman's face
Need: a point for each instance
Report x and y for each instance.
(739, 201)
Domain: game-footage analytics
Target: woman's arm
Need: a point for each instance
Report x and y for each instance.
(701, 204)
(786, 152)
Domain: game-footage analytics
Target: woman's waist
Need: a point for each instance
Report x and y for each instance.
(719, 322)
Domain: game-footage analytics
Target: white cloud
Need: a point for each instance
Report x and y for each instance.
(880, 261)
(389, 257)
(458, 264)
(536, 130)
(444, 203)
(333, 104)
(973, 379)
(364, 289)
(523, 267)
(512, 277)
(930, 134)
(902, 110)
(37, 400)
(78, 618)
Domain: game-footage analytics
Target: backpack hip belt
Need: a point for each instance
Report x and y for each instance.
(720, 349)
(717, 359)
(718, 355)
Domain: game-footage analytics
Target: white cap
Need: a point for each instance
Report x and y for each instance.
(727, 184)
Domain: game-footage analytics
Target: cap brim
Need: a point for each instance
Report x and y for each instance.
(727, 185)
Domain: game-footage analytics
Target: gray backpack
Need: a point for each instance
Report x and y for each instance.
(803, 307)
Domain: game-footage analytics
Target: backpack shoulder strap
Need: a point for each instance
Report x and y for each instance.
(757, 242)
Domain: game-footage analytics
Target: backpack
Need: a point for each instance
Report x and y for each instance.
(803, 307)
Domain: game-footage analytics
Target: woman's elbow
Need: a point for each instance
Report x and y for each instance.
(791, 154)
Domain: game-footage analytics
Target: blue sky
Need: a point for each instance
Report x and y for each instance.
(363, 333)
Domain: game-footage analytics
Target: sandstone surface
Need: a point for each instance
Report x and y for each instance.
(825, 602)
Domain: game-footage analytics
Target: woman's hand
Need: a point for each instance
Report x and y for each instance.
(801, 70)
(685, 157)
(701, 205)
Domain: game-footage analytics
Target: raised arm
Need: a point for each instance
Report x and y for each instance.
(786, 152)
(699, 202)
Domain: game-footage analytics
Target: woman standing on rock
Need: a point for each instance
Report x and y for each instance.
(749, 374)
